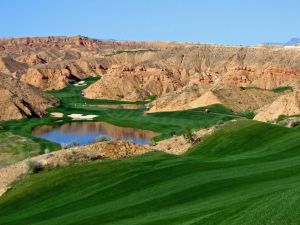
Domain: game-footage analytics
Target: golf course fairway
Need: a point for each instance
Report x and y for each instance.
(245, 173)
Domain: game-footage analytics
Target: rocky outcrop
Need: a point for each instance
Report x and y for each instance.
(11, 67)
(18, 100)
(231, 96)
(31, 59)
(263, 67)
(136, 70)
(288, 105)
(58, 75)
(132, 84)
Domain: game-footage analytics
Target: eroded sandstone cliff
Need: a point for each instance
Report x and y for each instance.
(179, 75)
(19, 100)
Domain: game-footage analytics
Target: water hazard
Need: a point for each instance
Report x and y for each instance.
(84, 133)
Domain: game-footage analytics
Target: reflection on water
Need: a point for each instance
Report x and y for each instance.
(121, 106)
(87, 132)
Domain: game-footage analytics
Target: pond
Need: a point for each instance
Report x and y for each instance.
(88, 132)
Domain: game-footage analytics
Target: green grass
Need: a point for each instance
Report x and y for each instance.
(245, 173)
(14, 148)
(276, 90)
(282, 89)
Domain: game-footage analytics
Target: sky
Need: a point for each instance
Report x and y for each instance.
(229, 22)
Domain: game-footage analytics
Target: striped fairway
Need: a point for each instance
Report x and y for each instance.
(245, 173)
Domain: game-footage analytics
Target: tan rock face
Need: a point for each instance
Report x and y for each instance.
(288, 104)
(58, 75)
(18, 100)
(231, 96)
(132, 84)
(262, 67)
(136, 70)
(31, 59)
(11, 67)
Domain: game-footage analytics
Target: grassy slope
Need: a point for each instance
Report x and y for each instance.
(246, 173)
(14, 148)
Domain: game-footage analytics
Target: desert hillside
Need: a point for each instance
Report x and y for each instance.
(19, 100)
(179, 75)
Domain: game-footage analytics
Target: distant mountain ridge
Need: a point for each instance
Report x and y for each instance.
(293, 41)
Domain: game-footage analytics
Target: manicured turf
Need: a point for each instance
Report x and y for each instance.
(282, 89)
(245, 173)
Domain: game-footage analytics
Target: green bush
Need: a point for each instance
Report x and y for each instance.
(189, 135)
(102, 139)
(282, 89)
(34, 166)
(151, 97)
(152, 142)
(280, 118)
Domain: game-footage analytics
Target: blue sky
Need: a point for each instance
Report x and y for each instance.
(244, 22)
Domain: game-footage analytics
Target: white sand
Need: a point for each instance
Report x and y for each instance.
(57, 114)
(80, 83)
(82, 117)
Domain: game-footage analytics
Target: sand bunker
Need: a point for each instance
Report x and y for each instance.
(82, 117)
(57, 114)
(80, 83)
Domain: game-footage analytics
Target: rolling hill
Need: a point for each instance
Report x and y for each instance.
(245, 173)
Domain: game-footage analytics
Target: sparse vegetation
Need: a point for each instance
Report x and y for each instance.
(34, 166)
(282, 89)
(70, 145)
(189, 135)
(247, 114)
(280, 118)
(152, 143)
(133, 51)
(151, 98)
(102, 139)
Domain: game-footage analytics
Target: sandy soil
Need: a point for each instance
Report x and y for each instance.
(57, 114)
(178, 145)
(80, 83)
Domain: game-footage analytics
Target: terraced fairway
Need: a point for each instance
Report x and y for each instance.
(245, 173)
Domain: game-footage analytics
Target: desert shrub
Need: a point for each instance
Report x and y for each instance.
(189, 135)
(151, 97)
(282, 89)
(46, 151)
(280, 118)
(219, 123)
(173, 133)
(64, 146)
(34, 166)
(247, 114)
(72, 144)
(152, 143)
(102, 139)
(295, 123)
